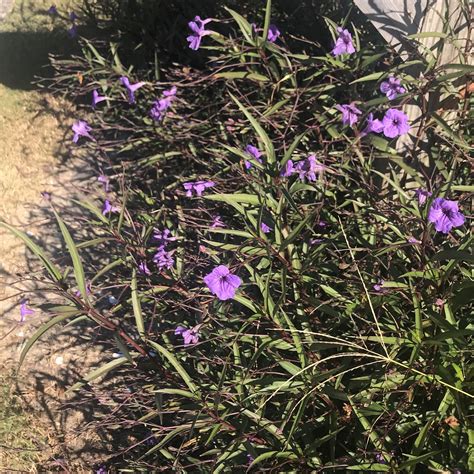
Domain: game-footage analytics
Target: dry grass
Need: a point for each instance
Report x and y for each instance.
(32, 131)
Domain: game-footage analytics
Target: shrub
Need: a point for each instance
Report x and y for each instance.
(345, 346)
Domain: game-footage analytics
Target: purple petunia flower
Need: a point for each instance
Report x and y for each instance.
(378, 287)
(107, 208)
(198, 187)
(25, 311)
(273, 33)
(288, 169)
(344, 43)
(163, 236)
(392, 88)
(445, 215)
(373, 125)
(265, 228)
(190, 336)
(131, 88)
(163, 259)
(198, 32)
(422, 195)
(81, 129)
(350, 113)
(222, 283)
(217, 222)
(160, 106)
(309, 168)
(143, 268)
(395, 123)
(255, 152)
(105, 181)
(96, 98)
(52, 10)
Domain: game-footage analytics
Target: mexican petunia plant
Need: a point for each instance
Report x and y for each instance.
(282, 257)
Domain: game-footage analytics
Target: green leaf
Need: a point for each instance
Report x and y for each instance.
(238, 198)
(273, 455)
(370, 77)
(42, 329)
(99, 372)
(269, 150)
(244, 25)
(252, 76)
(268, 17)
(428, 34)
(76, 259)
(175, 363)
(53, 271)
(137, 309)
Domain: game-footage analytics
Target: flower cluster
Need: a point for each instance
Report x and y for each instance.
(307, 169)
(198, 187)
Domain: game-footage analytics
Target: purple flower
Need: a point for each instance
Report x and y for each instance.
(217, 222)
(190, 336)
(373, 125)
(96, 98)
(198, 32)
(445, 215)
(25, 311)
(265, 228)
(349, 113)
(378, 287)
(222, 283)
(344, 43)
(288, 169)
(422, 195)
(315, 241)
(412, 240)
(309, 168)
(143, 268)
(52, 10)
(88, 290)
(163, 259)
(163, 236)
(273, 33)
(198, 187)
(131, 88)
(73, 17)
(105, 181)
(160, 106)
(107, 208)
(81, 129)
(255, 152)
(72, 32)
(392, 88)
(395, 123)
(102, 470)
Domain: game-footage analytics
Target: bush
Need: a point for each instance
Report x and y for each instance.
(345, 346)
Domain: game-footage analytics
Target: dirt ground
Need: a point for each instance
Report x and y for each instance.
(38, 432)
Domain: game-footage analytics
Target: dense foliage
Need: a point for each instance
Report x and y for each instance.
(346, 345)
